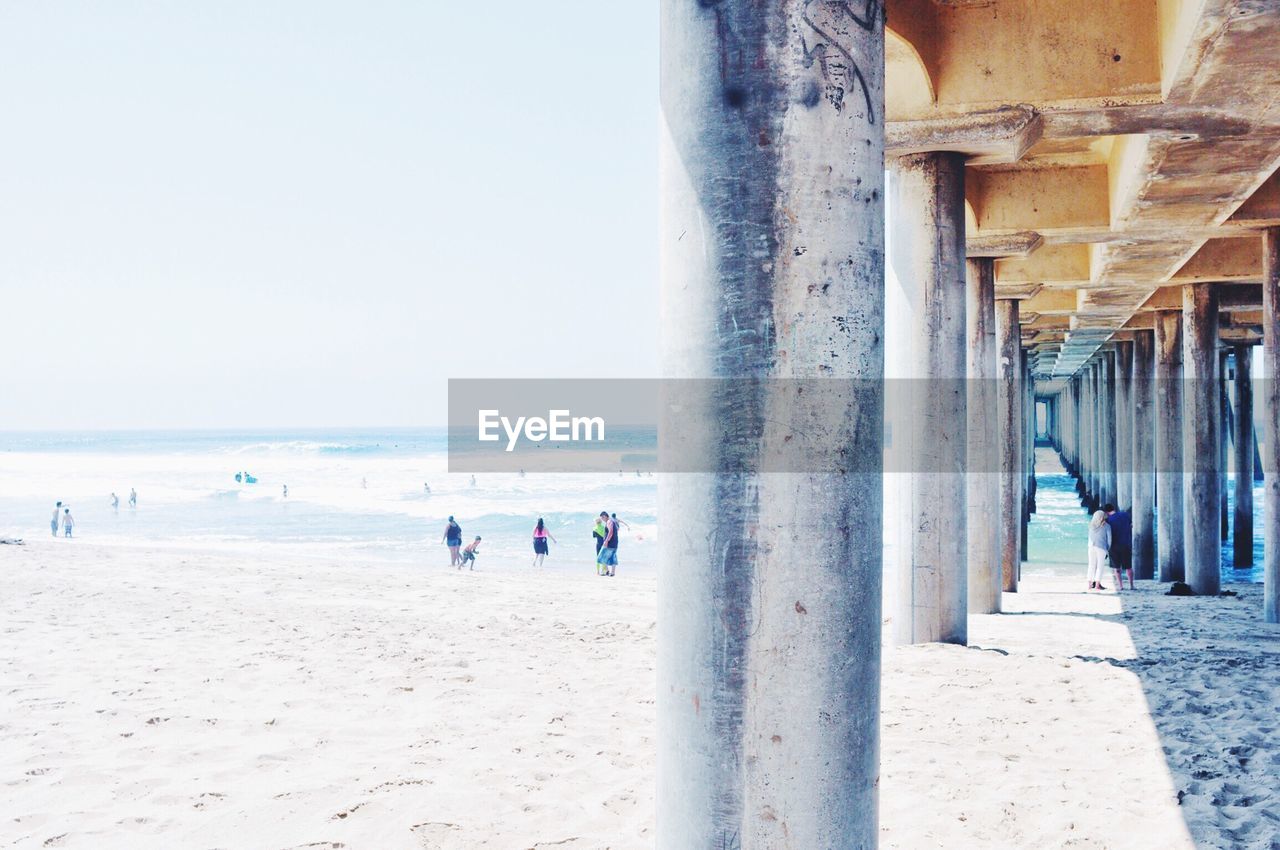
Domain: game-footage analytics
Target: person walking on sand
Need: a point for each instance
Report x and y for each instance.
(68, 522)
(469, 554)
(133, 498)
(607, 559)
(1121, 544)
(598, 532)
(618, 525)
(1099, 545)
(453, 537)
(540, 535)
(57, 514)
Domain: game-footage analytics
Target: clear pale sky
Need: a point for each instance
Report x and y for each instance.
(313, 213)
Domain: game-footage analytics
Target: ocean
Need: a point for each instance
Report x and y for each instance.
(358, 494)
(1058, 533)
(353, 494)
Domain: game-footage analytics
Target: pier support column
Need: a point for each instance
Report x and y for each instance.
(1009, 417)
(984, 476)
(1107, 427)
(1124, 425)
(1202, 426)
(1271, 424)
(929, 261)
(1168, 393)
(1224, 437)
(1142, 392)
(1242, 526)
(1097, 483)
(769, 609)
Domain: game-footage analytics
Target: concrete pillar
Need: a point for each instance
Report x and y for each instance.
(929, 261)
(1124, 425)
(1224, 437)
(1202, 426)
(1097, 483)
(1009, 417)
(1271, 424)
(1242, 536)
(1168, 393)
(1107, 427)
(768, 644)
(1142, 392)
(984, 476)
(1028, 457)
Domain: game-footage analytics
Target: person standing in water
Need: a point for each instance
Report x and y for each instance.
(68, 522)
(540, 535)
(453, 537)
(285, 492)
(133, 498)
(115, 502)
(57, 513)
(1099, 546)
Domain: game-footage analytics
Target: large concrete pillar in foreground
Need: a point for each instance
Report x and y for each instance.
(984, 478)
(929, 262)
(772, 268)
(1202, 426)
(1142, 394)
(1242, 526)
(1169, 540)
(1271, 426)
(1124, 425)
(1009, 417)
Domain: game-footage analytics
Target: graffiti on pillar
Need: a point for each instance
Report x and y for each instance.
(832, 46)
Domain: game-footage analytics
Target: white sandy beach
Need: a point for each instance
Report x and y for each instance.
(151, 698)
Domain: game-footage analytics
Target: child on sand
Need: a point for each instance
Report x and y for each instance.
(469, 555)
(68, 522)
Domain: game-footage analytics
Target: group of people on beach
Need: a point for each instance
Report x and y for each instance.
(62, 513)
(1110, 547)
(606, 533)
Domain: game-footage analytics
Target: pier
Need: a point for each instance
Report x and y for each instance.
(1085, 213)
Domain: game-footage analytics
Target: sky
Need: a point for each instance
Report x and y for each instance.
(312, 214)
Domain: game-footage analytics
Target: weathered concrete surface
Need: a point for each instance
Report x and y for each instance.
(1142, 392)
(983, 479)
(1271, 427)
(772, 267)
(1124, 424)
(1242, 442)
(1170, 545)
(1201, 430)
(1009, 418)
(1107, 426)
(929, 262)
